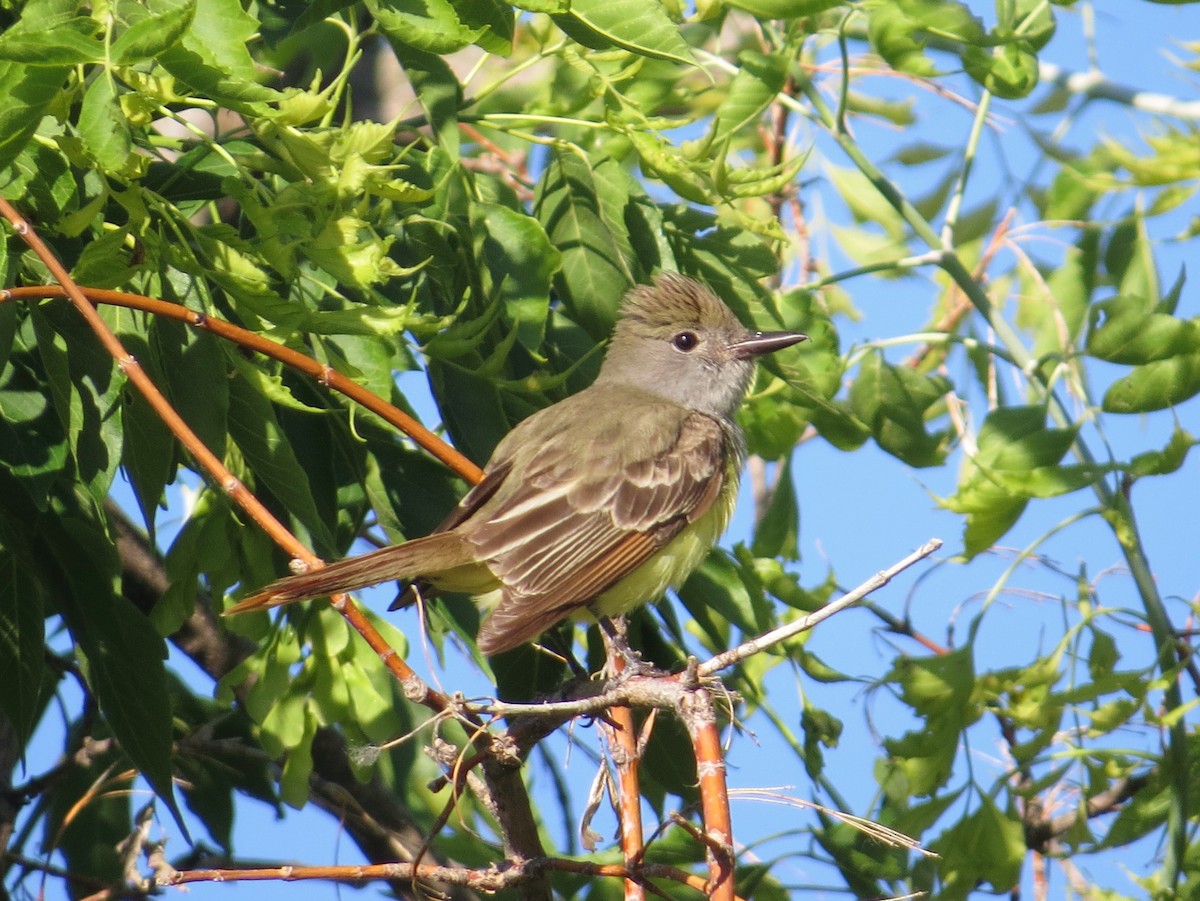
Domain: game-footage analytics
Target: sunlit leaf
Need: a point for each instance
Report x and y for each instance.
(640, 26)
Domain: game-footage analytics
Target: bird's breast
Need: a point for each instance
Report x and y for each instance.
(676, 561)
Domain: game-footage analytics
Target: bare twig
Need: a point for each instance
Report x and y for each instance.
(494, 878)
(783, 633)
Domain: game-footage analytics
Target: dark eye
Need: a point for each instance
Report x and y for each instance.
(685, 341)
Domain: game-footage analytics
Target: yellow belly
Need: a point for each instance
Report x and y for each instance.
(673, 564)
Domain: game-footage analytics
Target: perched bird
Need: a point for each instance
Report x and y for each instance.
(605, 499)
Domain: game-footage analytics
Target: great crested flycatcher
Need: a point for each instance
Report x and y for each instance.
(601, 501)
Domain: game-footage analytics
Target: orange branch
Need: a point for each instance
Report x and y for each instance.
(323, 373)
(623, 746)
(701, 723)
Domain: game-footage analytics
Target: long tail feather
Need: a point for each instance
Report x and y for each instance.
(420, 557)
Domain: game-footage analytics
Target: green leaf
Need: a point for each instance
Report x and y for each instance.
(148, 456)
(899, 30)
(22, 636)
(777, 533)
(102, 125)
(1103, 655)
(213, 55)
(1129, 259)
(1167, 460)
(820, 728)
(416, 490)
(27, 91)
(1071, 194)
(1009, 71)
(1032, 20)
(352, 252)
(86, 389)
(1105, 718)
(43, 182)
(758, 81)
(894, 401)
(892, 35)
(1168, 163)
(867, 204)
(374, 700)
(33, 442)
(920, 152)
(941, 690)
(429, 25)
(255, 429)
(660, 158)
(437, 90)
(196, 379)
(1048, 481)
(669, 765)
(639, 26)
(106, 261)
(717, 597)
(216, 40)
(1016, 459)
(496, 19)
(160, 29)
(298, 767)
(936, 685)
(49, 39)
(594, 275)
(784, 9)
(521, 262)
(121, 654)
(986, 846)
(1121, 332)
(919, 818)
(1054, 306)
(1155, 386)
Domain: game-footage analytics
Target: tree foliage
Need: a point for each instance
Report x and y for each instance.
(474, 214)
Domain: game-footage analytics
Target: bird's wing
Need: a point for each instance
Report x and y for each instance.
(590, 509)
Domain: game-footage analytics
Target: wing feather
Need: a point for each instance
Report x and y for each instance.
(566, 533)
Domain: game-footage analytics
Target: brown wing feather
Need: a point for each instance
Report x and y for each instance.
(568, 533)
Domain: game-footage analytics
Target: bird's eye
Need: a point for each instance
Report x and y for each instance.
(685, 341)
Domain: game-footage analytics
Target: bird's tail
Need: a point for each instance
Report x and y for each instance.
(420, 557)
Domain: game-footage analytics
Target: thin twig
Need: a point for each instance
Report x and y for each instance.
(493, 878)
(775, 636)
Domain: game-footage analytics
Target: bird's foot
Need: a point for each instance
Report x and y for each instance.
(623, 661)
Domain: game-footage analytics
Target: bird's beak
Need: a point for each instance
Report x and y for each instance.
(755, 344)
